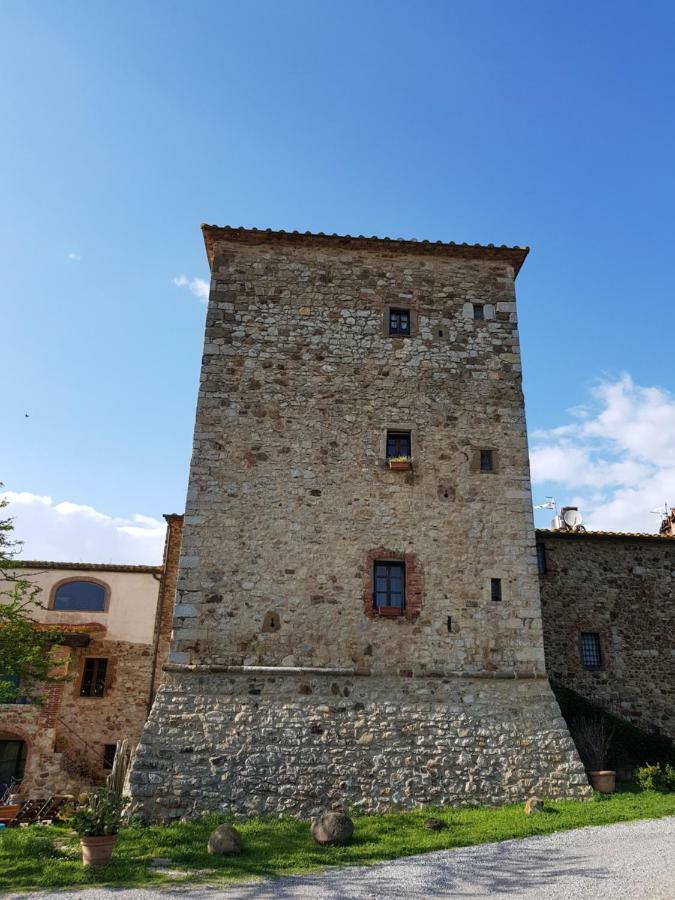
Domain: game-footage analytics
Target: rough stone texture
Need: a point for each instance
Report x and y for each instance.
(332, 828)
(225, 841)
(533, 806)
(297, 744)
(623, 588)
(290, 497)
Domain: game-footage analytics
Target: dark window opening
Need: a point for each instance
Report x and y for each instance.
(12, 763)
(449, 623)
(398, 444)
(93, 677)
(486, 463)
(86, 596)
(478, 311)
(389, 586)
(399, 322)
(496, 589)
(109, 751)
(590, 650)
(541, 559)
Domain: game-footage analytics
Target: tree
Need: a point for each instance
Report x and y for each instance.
(26, 649)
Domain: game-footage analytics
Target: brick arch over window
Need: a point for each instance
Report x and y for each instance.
(414, 582)
(87, 580)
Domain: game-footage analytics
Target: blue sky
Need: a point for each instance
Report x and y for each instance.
(126, 125)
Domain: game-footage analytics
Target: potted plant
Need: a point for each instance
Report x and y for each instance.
(399, 463)
(593, 742)
(98, 819)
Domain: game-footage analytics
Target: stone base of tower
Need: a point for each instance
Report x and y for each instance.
(293, 742)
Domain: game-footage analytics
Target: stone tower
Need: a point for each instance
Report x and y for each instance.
(358, 614)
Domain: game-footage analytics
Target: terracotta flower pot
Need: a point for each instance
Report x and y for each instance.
(399, 465)
(603, 781)
(96, 851)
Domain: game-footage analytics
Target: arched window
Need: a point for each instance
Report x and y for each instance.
(82, 596)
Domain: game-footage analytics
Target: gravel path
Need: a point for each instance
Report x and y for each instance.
(634, 860)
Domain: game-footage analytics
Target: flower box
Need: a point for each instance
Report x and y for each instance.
(390, 612)
(399, 464)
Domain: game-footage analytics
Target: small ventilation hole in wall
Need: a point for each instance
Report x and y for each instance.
(449, 623)
(271, 622)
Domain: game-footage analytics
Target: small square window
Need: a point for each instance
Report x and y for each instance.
(496, 589)
(93, 677)
(486, 462)
(479, 311)
(109, 751)
(389, 586)
(398, 444)
(399, 322)
(590, 650)
(541, 559)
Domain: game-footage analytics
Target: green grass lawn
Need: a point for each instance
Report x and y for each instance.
(42, 857)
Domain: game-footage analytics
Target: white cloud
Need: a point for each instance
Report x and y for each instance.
(617, 460)
(74, 532)
(196, 286)
(75, 257)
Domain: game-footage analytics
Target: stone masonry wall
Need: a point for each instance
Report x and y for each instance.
(291, 500)
(289, 489)
(621, 587)
(297, 743)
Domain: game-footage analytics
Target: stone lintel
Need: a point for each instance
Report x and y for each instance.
(186, 669)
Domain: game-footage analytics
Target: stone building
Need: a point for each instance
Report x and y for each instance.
(116, 620)
(358, 615)
(608, 603)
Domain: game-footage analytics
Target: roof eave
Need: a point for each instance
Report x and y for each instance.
(214, 234)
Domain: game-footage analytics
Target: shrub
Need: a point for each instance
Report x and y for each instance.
(593, 740)
(656, 778)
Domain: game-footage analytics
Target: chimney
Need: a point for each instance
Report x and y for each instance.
(667, 528)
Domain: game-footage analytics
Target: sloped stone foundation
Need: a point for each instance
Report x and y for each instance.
(259, 743)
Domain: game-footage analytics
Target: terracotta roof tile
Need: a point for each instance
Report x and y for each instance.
(640, 535)
(88, 567)
(514, 255)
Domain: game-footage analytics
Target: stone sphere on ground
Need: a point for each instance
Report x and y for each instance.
(534, 805)
(332, 828)
(225, 841)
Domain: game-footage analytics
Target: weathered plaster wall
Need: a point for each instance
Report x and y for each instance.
(130, 615)
(67, 734)
(623, 588)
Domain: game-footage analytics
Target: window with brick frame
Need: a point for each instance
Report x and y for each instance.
(80, 595)
(591, 657)
(94, 671)
(399, 322)
(389, 587)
